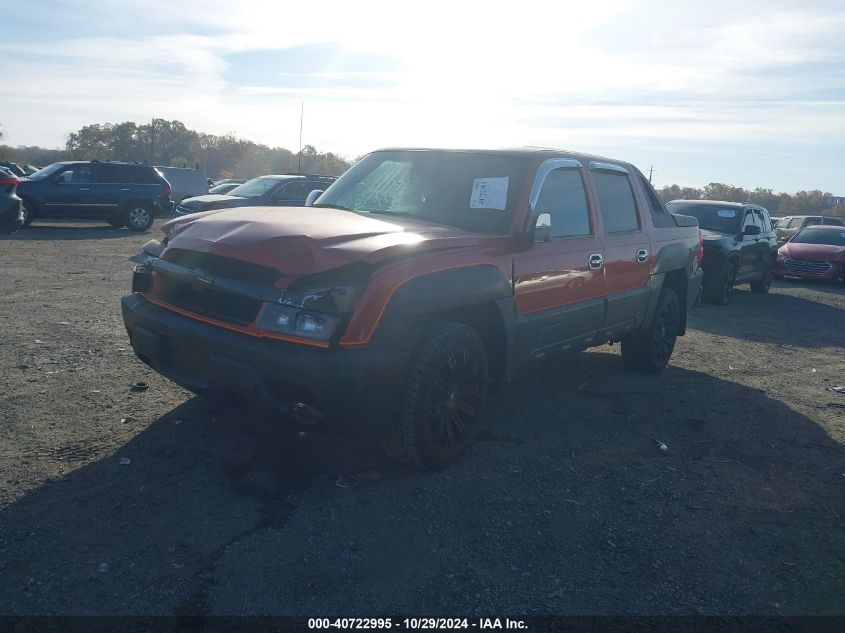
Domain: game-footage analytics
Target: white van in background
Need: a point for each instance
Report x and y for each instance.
(185, 182)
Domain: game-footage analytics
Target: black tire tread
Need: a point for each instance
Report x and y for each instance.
(399, 439)
(636, 349)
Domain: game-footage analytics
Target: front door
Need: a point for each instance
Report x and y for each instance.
(627, 250)
(558, 283)
(749, 253)
(69, 191)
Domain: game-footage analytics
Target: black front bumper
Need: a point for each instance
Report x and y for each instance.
(349, 385)
(11, 214)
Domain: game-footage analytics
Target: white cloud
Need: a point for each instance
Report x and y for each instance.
(613, 74)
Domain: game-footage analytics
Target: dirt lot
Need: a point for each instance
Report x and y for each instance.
(564, 505)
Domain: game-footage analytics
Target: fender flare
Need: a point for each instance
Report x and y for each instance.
(447, 290)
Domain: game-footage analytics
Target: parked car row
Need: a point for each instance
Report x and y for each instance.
(134, 194)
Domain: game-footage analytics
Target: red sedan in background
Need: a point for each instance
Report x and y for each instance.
(815, 252)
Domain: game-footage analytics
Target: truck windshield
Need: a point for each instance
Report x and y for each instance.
(471, 190)
(819, 236)
(710, 217)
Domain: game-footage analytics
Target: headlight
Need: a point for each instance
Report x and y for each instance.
(299, 322)
(330, 298)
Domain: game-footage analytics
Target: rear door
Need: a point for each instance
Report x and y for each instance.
(627, 249)
(558, 283)
(111, 184)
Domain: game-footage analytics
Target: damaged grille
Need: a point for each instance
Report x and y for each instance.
(223, 266)
(207, 301)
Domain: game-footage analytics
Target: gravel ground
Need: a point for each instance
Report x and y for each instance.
(563, 506)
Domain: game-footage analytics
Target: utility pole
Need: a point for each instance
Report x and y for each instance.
(301, 115)
(650, 172)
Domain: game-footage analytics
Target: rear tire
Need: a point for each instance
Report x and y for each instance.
(138, 216)
(442, 398)
(28, 213)
(718, 290)
(651, 349)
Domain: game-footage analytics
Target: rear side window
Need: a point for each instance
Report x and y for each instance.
(111, 173)
(144, 175)
(832, 221)
(659, 215)
(563, 197)
(618, 212)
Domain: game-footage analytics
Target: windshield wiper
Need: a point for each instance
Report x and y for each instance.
(410, 216)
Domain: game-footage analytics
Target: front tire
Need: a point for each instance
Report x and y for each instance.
(441, 400)
(763, 284)
(718, 290)
(138, 216)
(651, 349)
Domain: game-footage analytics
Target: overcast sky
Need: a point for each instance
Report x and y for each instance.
(748, 93)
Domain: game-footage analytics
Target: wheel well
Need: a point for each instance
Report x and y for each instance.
(677, 281)
(145, 203)
(485, 319)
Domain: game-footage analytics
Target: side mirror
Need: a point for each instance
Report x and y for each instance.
(752, 229)
(542, 228)
(312, 197)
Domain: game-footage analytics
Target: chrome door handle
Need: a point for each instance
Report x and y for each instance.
(85, 188)
(642, 255)
(126, 189)
(596, 261)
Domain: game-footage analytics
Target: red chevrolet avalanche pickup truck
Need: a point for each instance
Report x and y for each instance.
(419, 279)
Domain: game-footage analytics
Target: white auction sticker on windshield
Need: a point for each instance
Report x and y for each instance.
(727, 213)
(489, 193)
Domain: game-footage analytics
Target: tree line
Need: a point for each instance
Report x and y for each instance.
(171, 143)
(800, 203)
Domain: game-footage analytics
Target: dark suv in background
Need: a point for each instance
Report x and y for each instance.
(122, 194)
(740, 245)
(788, 226)
(283, 190)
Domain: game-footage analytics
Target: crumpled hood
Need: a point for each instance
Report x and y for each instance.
(813, 252)
(212, 201)
(306, 240)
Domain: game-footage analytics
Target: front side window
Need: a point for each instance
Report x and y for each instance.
(472, 190)
(77, 174)
(618, 211)
(795, 223)
(563, 197)
(296, 190)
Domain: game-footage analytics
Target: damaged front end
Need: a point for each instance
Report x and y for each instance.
(310, 309)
